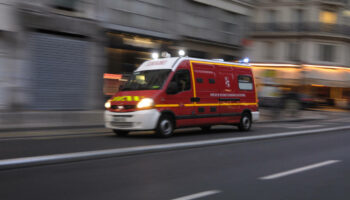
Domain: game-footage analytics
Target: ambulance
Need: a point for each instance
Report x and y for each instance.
(169, 93)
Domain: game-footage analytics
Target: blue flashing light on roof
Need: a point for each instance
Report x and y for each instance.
(245, 60)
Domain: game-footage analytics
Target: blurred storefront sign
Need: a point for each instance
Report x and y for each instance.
(272, 75)
(328, 77)
(133, 41)
(141, 42)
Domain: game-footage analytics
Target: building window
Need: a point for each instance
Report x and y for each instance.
(269, 50)
(228, 27)
(326, 52)
(293, 51)
(328, 17)
(299, 15)
(272, 16)
(69, 5)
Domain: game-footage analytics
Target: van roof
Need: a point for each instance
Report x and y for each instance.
(171, 63)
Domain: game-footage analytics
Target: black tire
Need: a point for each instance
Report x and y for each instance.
(245, 123)
(121, 133)
(206, 128)
(165, 127)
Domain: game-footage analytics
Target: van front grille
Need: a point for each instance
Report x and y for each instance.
(122, 124)
(123, 107)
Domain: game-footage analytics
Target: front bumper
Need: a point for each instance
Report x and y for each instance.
(138, 120)
(255, 116)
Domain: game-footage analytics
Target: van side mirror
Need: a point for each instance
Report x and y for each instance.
(172, 88)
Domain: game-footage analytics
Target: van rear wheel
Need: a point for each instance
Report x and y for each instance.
(121, 133)
(245, 123)
(165, 127)
(206, 128)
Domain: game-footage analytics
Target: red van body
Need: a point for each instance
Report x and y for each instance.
(170, 93)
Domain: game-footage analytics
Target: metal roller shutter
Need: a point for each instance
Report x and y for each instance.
(60, 72)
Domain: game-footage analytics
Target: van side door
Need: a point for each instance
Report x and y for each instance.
(229, 96)
(206, 87)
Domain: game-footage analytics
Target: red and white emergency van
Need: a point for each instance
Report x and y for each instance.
(169, 93)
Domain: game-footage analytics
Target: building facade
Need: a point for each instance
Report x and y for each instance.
(303, 45)
(204, 29)
(8, 58)
(54, 54)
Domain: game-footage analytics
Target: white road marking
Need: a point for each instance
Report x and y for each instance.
(198, 195)
(306, 126)
(298, 170)
(107, 153)
(291, 126)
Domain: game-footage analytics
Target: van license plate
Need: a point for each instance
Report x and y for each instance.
(119, 119)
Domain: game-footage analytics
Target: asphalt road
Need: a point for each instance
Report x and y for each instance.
(234, 171)
(303, 167)
(34, 143)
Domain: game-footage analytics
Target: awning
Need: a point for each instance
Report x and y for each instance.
(327, 77)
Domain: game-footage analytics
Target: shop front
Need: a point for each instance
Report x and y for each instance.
(325, 85)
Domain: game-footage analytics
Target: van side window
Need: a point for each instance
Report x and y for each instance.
(245, 82)
(183, 80)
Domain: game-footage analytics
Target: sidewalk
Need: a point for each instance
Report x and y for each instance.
(268, 115)
(17, 121)
(14, 121)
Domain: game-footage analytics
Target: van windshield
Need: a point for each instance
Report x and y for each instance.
(147, 80)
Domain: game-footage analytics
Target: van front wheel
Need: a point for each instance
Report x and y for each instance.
(121, 133)
(245, 123)
(165, 127)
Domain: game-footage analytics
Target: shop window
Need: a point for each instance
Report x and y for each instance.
(245, 82)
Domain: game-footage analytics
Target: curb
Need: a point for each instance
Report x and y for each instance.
(53, 127)
(290, 120)
(100, 154)
(14, 129)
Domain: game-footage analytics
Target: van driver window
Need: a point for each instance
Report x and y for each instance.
(183, 80)
(245, 83)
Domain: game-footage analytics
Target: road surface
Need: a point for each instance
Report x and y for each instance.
(314, 166)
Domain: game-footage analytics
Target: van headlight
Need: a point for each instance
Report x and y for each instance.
(108, 104)
(146, 103)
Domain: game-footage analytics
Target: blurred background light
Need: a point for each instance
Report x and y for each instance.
(182, 53)
(155, 55)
